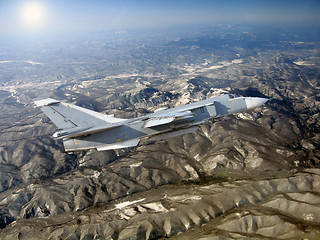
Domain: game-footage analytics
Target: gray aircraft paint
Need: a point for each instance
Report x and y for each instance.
(83, 129)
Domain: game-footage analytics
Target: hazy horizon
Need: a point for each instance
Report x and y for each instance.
(25, 18)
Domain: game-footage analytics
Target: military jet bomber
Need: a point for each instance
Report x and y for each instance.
(83, 129)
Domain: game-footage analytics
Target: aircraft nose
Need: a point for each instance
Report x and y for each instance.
(253, 102)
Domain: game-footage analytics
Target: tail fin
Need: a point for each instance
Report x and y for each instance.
(65, 115)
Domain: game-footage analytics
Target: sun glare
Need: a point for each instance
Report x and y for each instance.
(33, 15)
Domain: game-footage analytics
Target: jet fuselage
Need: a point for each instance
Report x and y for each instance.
(106, 132)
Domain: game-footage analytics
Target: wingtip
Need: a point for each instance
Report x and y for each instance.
(45, 102)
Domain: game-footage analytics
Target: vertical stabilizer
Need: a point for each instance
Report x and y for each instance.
(65, 115)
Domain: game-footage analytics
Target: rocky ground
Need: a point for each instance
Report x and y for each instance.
(281, 208)
(247, 176)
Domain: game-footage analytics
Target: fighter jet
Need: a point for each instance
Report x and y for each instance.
(83, 129)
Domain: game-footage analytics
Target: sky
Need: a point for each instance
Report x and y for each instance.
(35, 17)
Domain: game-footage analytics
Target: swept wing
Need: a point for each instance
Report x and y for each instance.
(74, 121)
(166, 118)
